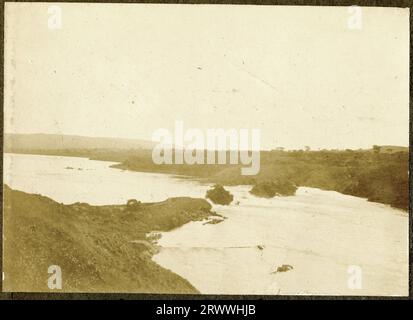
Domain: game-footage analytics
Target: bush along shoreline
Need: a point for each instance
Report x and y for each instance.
(270, 189)
(219, 195)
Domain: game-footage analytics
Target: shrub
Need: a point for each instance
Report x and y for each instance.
(133, 204)
(273, 188)
(219, 195)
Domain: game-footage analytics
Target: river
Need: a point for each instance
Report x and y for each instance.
(332, 243)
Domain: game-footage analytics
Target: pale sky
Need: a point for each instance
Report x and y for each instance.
(299, 74)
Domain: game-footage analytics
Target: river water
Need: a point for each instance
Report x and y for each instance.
(334, 244)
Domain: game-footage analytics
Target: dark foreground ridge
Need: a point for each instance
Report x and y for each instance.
(98, 248)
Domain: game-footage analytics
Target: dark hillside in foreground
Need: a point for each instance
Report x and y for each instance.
(99, 248)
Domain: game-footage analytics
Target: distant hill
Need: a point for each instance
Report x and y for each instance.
(58, 142)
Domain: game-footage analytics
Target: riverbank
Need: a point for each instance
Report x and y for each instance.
(379, 176)
(98, 248)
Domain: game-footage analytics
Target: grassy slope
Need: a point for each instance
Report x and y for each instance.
(99, 248)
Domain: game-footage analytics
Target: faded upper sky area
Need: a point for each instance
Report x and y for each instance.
(299, 74)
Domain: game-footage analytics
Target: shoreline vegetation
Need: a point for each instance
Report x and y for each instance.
(379, 174)
(219, 195)
(98, 248)
(270, 189)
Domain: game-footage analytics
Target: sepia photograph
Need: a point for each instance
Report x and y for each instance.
(206, 149)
